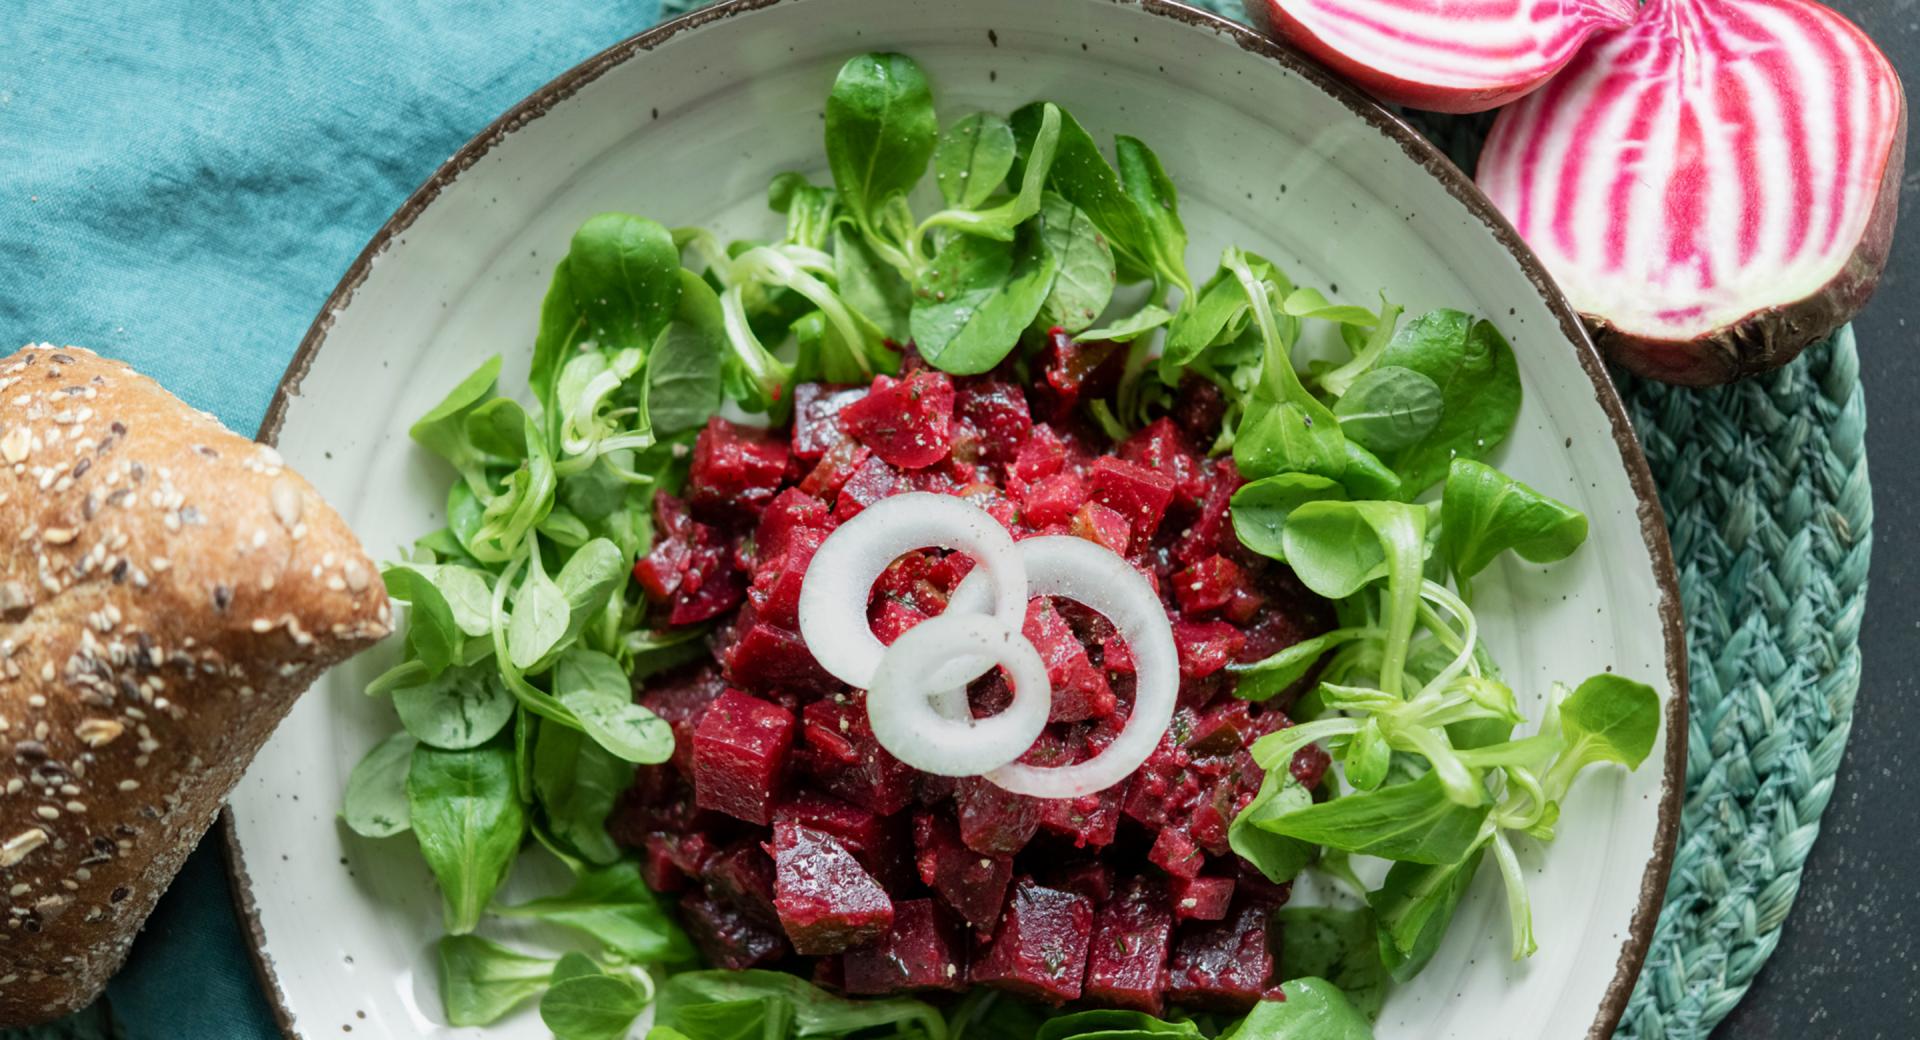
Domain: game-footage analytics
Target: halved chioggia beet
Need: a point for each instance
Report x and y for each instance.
(1441, 55)
(1714, 188)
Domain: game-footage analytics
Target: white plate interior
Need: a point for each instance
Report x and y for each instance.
(683, 133)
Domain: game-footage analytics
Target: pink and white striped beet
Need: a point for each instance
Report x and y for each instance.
(1441, 55)
(1714, 187)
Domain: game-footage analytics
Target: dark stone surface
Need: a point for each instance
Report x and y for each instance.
(1846, 965)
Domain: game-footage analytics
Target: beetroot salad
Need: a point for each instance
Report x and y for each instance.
(956, 622)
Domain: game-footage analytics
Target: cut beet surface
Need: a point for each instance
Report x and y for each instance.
(922, 950)
(1739, 201)
(741, 876)
(1442, 55)
(826, 900)
(1127, 960)
(1222, 965)
(740, 756)
(1040, 949)
(728, 938)
(975, 886)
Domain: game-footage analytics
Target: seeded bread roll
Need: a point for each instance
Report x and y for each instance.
(167, 589)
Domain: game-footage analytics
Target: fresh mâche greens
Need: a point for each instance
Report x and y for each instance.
(514, 689)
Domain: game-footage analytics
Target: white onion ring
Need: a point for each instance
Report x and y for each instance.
(1079, 570)
(906, 723)
(839, 579)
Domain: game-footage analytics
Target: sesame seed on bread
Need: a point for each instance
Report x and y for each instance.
(167, 589)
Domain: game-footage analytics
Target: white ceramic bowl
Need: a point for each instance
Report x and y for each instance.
(687, 123)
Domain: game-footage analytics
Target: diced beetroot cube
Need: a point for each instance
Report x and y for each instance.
(1165, 784)
(660, 798)
(1116, 655)
(923, 950)
(830, 974)
(816, 417)
(760, 655)
(835, 468)
(1052, 500)
(740, 756)
(998, 409)
(1309, 765)
(1162, 447)
(1199, 405)
(908, 422)
(657, 868)
(1206, 646)
(1127, 960)
(728, 938)
(688, 851)
(736, 469)
(827, 901)
(1104, 526)
(1293, 616)
(741, 875)
(993, 819)
(680, 698)
(909, 579)
(1088, 877)
(1244, 605)
(1221, 730)
(1212, 531)
(1135, 492)
(975, 886)
(1039, 456)
(710, 584)
(1208, 585)
(659, 572)
(1222, 965)
(1040, 949)
(1080, 691)
(870, 483)
(1091, 820)
(790, 511)
(1174, 852)
(873, 840)
(892, 618)
(845, 760)
(1201, 898)
(1073, 368)
(991, 499)
(778, 579)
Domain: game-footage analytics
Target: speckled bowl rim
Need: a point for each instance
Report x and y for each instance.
(1653, 528)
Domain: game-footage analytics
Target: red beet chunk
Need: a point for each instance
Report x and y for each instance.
(826, 900)
(790, 511)
(835, 468)
(1175, 852)
(1040, 949)
(975, 886)
(1162, 447)
(892, 618)
(914, 579)
(1052, 500)
(1103, 526)
(657, 869)
(1201, 898)
(659, 572)
(872, 839)
(1309, 765)
(871, 482)
(845, 760)
(1135, 492)
(908, 422)
(760, 655)
(710, 584)
(1073, 368)
(1041, 455)
(1222, 965)
(741, 875)
(740, 756)
(1212, 530)
(1222, 730)
(1206, 646)
(1127, 960)
(728, 938)
(1165, 784)
(1080, 691)
(923, 950)
(816, 417)
(1090, 877)
(993, 819)
(681, 698)
(1199, 406)
(1092, 821)
(998, 409)
(778, 578)
(736, 469)
(1208, 585)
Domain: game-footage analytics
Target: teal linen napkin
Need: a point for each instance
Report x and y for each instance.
(181, 185)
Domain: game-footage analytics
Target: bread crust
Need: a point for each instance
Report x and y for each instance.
(167, 589)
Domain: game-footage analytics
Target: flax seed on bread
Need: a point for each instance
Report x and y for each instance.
(167, 589)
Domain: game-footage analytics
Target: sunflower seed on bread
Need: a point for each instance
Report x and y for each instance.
(167, 589)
